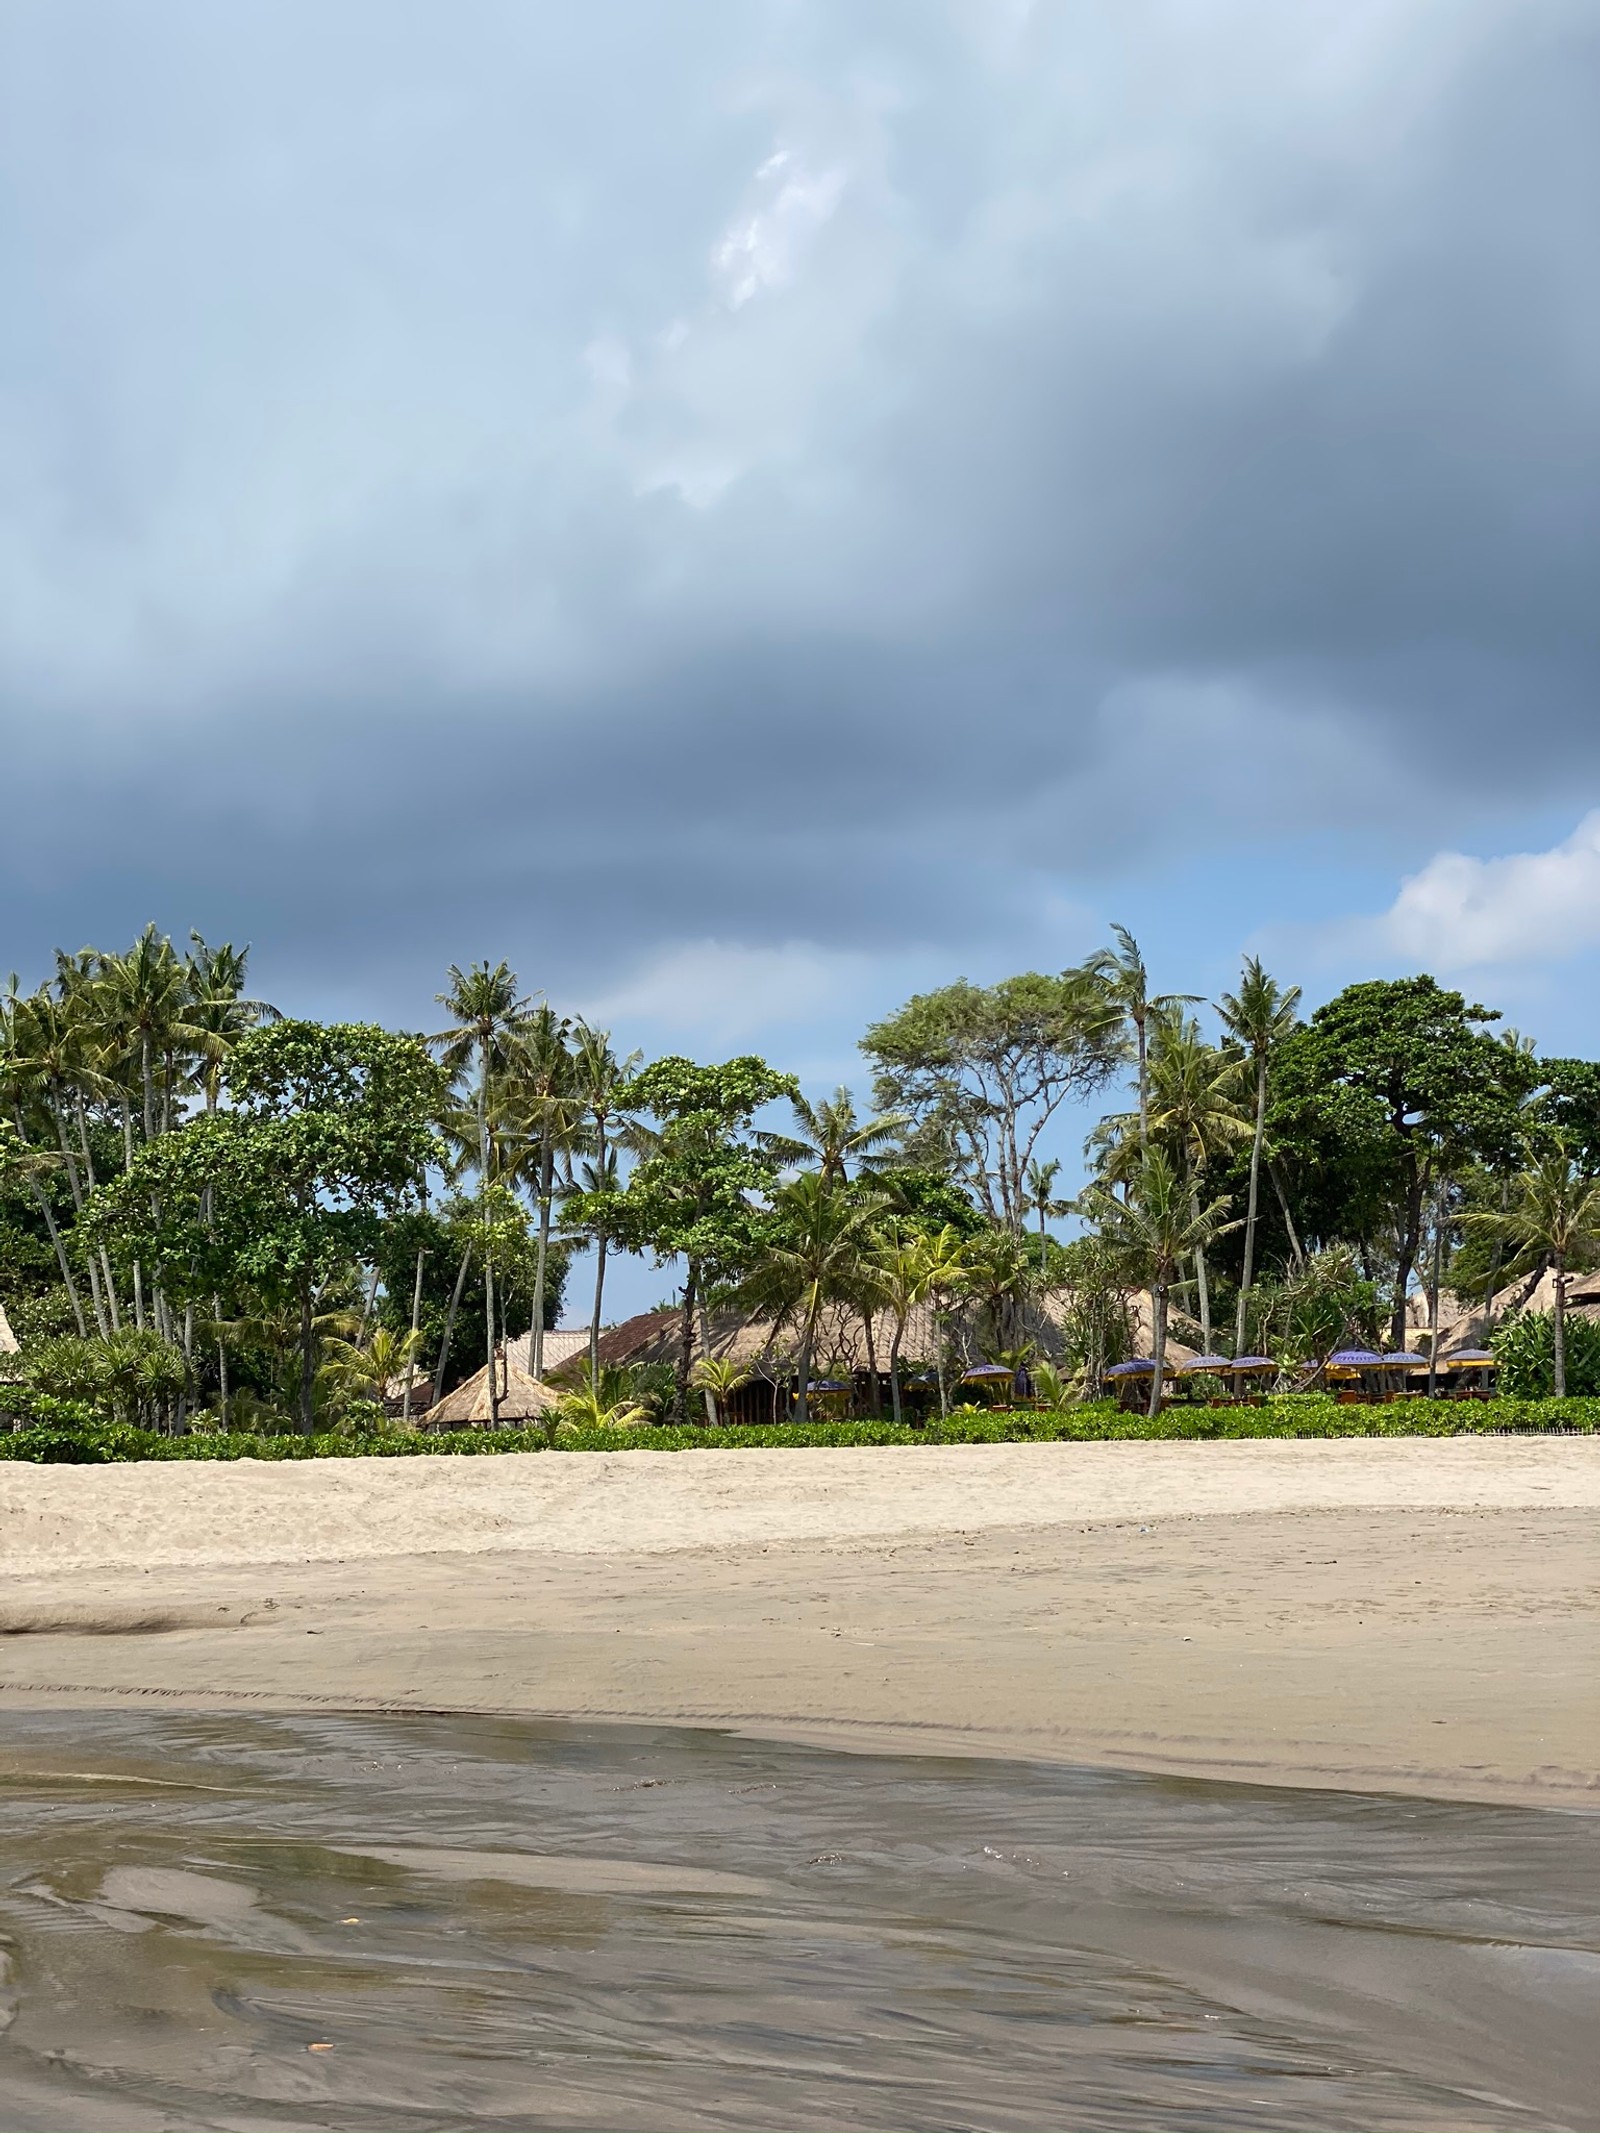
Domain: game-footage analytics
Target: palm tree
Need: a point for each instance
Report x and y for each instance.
(1124, 984)
(720, 1376)
(1553, 1221)
(1152, 1232)
(815, 1257)
(899, 1266)
(1040, 1195)
(489, 1018)
(546, 1119)
(600, 1081)
(367, 1368)
(1197, 1112)
(941, 1273)
(1258, 1017)
(830, 1134)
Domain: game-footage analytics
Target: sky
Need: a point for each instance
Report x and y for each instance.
(755, 510)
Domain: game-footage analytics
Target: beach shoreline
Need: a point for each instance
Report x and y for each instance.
(1379, 1615)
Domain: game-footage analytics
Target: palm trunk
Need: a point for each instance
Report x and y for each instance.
(894, 1367)
(1252, 1205)
(707, 1397)
(107, 1283)
(599, 1254)
(416, 1321)
(1202, 1284)
(127, 1164)
(488, 1327)
(875, 1391)
(1158, 1317)
(1560, 1329)
(307, 1416)
(456, 1295)
(61, 1259)
(1144, 1086)
(1297, 1255)
(808, 1339)
(222, 1360)
(547, 1161)
(938, 1354)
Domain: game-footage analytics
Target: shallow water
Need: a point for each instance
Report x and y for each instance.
(441, 1922)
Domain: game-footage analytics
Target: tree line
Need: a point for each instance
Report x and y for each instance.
(209, 1209)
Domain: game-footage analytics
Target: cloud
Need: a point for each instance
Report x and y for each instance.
(823, 485)
(1458, 913)
(718, 992)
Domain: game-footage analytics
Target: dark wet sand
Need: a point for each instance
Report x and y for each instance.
(502, 1922)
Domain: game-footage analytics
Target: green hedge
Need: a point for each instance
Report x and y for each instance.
(73, 1438)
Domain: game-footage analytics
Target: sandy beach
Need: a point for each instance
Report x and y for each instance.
(1407, 1615)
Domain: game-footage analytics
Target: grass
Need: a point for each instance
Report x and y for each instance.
(88, 1442)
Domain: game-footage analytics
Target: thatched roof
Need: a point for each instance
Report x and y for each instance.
(522, 1399)
(561, 1344)
(8, 1340)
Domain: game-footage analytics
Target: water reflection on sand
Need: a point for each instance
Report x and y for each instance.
(439, 1922)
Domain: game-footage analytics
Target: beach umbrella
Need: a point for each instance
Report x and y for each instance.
(987, 1372)
(1403, 1360)
(1211, 1363)
(1140, 1366)
(1470, 1359)
(1355, 1359)
(826, 1385)
(1253, 1362)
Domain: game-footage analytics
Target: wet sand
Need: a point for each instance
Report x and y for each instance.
(273, 1923)
(1415, 1616)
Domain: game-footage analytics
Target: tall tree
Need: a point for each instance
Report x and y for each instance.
(1259, 1017)
(489, 1017)
(1123, 984)
(813, 1255)
(1553, 1221)
(981, 1070)
(1153, 1231)
(1385, 1081)
(599, 1082)
(699, 1180)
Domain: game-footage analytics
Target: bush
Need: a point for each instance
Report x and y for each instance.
(1526, 1348)
(75, 1436)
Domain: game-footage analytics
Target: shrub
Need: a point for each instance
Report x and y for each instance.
(1526, 1348)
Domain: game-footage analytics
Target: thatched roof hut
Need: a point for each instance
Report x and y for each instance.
(522, 1399)
(8, 1340)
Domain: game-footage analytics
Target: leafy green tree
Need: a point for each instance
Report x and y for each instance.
(700, 1182)
(599, 1081)
(980, 1071)
(1389, 1083)
(327, 1133)
(1553, 1221)
(1119, 979)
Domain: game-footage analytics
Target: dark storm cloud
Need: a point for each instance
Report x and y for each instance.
(607, 478)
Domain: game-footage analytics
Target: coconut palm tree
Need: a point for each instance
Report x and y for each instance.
(831, 1135)
(599, 1082)
(1040, 1185)
(720, 1376)
(546, 1118)
(1123, 983)
(1258, 1017)
(1152, 1232)
(1553, 1222)
(489, 1018)
(814, 1258)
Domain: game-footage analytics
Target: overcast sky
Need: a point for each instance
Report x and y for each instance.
(749, 510)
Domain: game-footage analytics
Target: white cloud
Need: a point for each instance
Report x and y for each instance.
(763, 249)
(1538, 906)
(726, 993)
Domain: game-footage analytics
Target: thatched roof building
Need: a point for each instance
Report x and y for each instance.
(8, 1340)
(522, 1399)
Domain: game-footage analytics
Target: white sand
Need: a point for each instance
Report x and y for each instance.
(1409, 1614)
(629, 1503)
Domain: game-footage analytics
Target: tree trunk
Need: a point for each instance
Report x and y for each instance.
(875, 1390)
(1144, 1086)
(61, 1259)
(1202, 1284)
(708, 1397)
(599, 1255)
(1297, 1257)
(938, 1353)
(547, 1162)
(1410, 1239)
(222, 1360)
(416, 1322)
(1560, 1329)
(894, 1367)
(685, 1345)
(488, 1327)
(307, 1416)
(450, 1326)
(1434, 1273)
(1158, 1318)
(1252, 1205)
